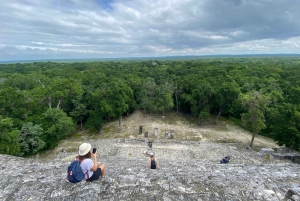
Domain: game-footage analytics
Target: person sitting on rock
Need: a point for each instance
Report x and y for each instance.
(226, 159)
(88, 165)
(152, 162)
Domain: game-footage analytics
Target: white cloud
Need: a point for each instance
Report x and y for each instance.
(34, 29)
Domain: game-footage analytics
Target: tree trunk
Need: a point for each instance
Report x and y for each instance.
(58, 104)
(41, 83)
(176, 103)
(81, 124)
(252, 139)
(49, 102)
(99, 131)
(120, 121)
(219, 114)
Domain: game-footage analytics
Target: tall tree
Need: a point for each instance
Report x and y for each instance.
(30, 139)
(8, 137)
(12, 103)
(79, 112)
(57, 126)
(95, 120)
(284, 123)
(254, 119)
(201, 95)
(163, 98)
(177, 90)
(120, 97)
(224, 97)
(57, 91)
(147, 94)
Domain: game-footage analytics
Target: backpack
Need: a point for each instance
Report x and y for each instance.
(224, 160)
(75, 173)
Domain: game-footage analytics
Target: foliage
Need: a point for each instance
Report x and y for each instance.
(254, 119)
(95, 120)
(30, 139)
(57, 126)
(92, 93)
(163, 97)
(8, 137)
(284, 125)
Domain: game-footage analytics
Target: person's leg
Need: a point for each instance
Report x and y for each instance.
(96, 175)
(103, 168)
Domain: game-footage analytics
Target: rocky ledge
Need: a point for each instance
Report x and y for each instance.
(188, 171)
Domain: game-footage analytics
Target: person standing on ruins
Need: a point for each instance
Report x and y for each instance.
(152, 162)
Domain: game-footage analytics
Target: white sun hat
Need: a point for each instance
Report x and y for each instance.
(84, 148)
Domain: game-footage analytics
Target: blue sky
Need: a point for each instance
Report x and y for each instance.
(74, 29)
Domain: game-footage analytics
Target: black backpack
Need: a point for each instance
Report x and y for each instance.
(153, 164)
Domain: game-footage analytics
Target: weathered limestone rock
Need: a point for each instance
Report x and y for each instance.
(150, 145)
(172, 134)
(188, 171)
(155, 131)
(293, 194)
(266, 150)
(140, 130)
(295, 158)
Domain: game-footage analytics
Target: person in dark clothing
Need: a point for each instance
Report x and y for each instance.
(226, 159)
(152, 162)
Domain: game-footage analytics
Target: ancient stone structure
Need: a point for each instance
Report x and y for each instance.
(188, 171)
(150, 145)
(172, 134)
(155, 131)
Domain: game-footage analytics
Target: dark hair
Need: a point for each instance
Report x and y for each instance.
(88, 155)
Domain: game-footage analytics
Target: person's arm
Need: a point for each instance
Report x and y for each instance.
(149, 164)
(95, 166)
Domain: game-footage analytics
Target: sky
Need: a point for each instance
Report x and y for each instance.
(79, 29)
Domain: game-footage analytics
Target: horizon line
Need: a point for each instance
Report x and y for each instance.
(146, 57)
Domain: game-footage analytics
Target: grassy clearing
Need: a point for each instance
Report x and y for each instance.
(185, 128)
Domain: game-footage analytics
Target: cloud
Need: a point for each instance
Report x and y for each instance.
(37, 29)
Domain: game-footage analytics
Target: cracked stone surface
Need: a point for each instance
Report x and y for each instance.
(189, 171)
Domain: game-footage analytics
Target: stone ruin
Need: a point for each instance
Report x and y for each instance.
(171, 136)
(188, 171)
(156, 134)
(150, 145)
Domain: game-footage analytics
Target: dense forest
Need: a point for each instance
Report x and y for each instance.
(41, 102)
